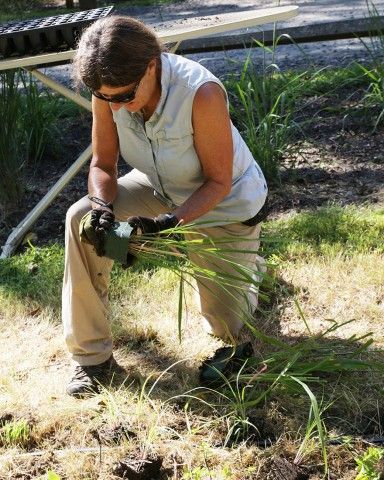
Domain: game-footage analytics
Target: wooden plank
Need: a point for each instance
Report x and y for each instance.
(343, 29)
(187, 29)
(225, 22)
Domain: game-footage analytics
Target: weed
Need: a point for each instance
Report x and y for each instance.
(374, 97)
(15, 433)
(51, 475)
(28, 117)
(370, 466)
(40, 111)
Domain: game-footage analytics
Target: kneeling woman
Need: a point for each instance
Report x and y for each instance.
(168, 118)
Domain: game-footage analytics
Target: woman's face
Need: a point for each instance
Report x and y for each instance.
(142, 92)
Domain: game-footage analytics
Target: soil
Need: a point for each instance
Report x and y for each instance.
(340, 160)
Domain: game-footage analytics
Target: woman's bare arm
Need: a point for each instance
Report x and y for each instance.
(214, 147)
(102, 178)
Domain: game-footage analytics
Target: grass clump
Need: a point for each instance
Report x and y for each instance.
(28, 117)
(16, 433)
(262, 108)
(12, 154)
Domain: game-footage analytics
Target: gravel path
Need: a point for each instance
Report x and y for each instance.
(317, 54)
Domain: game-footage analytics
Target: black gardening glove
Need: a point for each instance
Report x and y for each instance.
(146, 225)
(102, 220)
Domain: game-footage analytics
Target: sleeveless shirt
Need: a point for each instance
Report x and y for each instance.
(162, 147)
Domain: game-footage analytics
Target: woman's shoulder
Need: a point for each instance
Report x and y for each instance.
(186, 71)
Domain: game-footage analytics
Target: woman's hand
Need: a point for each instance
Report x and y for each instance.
(145, 225)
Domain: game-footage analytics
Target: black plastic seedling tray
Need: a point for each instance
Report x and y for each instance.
(47, 34)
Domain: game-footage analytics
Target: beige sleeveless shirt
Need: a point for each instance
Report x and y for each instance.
(163, 149)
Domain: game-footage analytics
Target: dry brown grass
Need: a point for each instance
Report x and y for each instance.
(35, 369)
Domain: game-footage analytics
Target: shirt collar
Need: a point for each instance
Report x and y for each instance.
(165, 82)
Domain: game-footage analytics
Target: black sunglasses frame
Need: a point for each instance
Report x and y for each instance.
(124, 98)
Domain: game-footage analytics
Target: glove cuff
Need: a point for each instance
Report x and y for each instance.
(166, 221)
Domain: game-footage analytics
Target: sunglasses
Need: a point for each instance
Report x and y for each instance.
(122, 98)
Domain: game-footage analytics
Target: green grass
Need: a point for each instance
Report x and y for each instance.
(16, 433)
(330, 230)
(333, 230)
(33, 278)
(12, 138)
(267, 105)
(370, 465)
(29, 117)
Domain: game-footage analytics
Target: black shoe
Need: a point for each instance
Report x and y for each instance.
(87, 379)
(225, 361)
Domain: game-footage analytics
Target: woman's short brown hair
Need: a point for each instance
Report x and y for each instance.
(115, 51)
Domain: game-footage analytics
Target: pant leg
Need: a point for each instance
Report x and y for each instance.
(224, 312)
(86, 276)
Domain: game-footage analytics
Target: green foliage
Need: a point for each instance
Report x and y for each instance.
(370, 466)
(40, 110)
(15, 433)
(28, 117)
(328, 230)
(52, 475)
(263, 112)
(12, 139)
(35, 275)
(202, 473)
(374, 97)
(329, 80)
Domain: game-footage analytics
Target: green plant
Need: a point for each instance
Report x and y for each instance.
(12, 139)
(40, 111)
(264, 104)
(286, 370)
(15, 433)
(28, 116)
(51, 475)
(264, 117)
(370, 466)
(374, 97)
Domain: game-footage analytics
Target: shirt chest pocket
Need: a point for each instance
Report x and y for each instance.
(176, 158)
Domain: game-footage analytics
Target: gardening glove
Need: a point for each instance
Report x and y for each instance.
(111, 243)
(103, 217)
(225, 361)
(146, 225)
(95, 224)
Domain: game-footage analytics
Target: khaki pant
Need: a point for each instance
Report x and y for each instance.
(86, 276)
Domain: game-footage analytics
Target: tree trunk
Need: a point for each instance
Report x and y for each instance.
(87, 4)
(69, 3)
